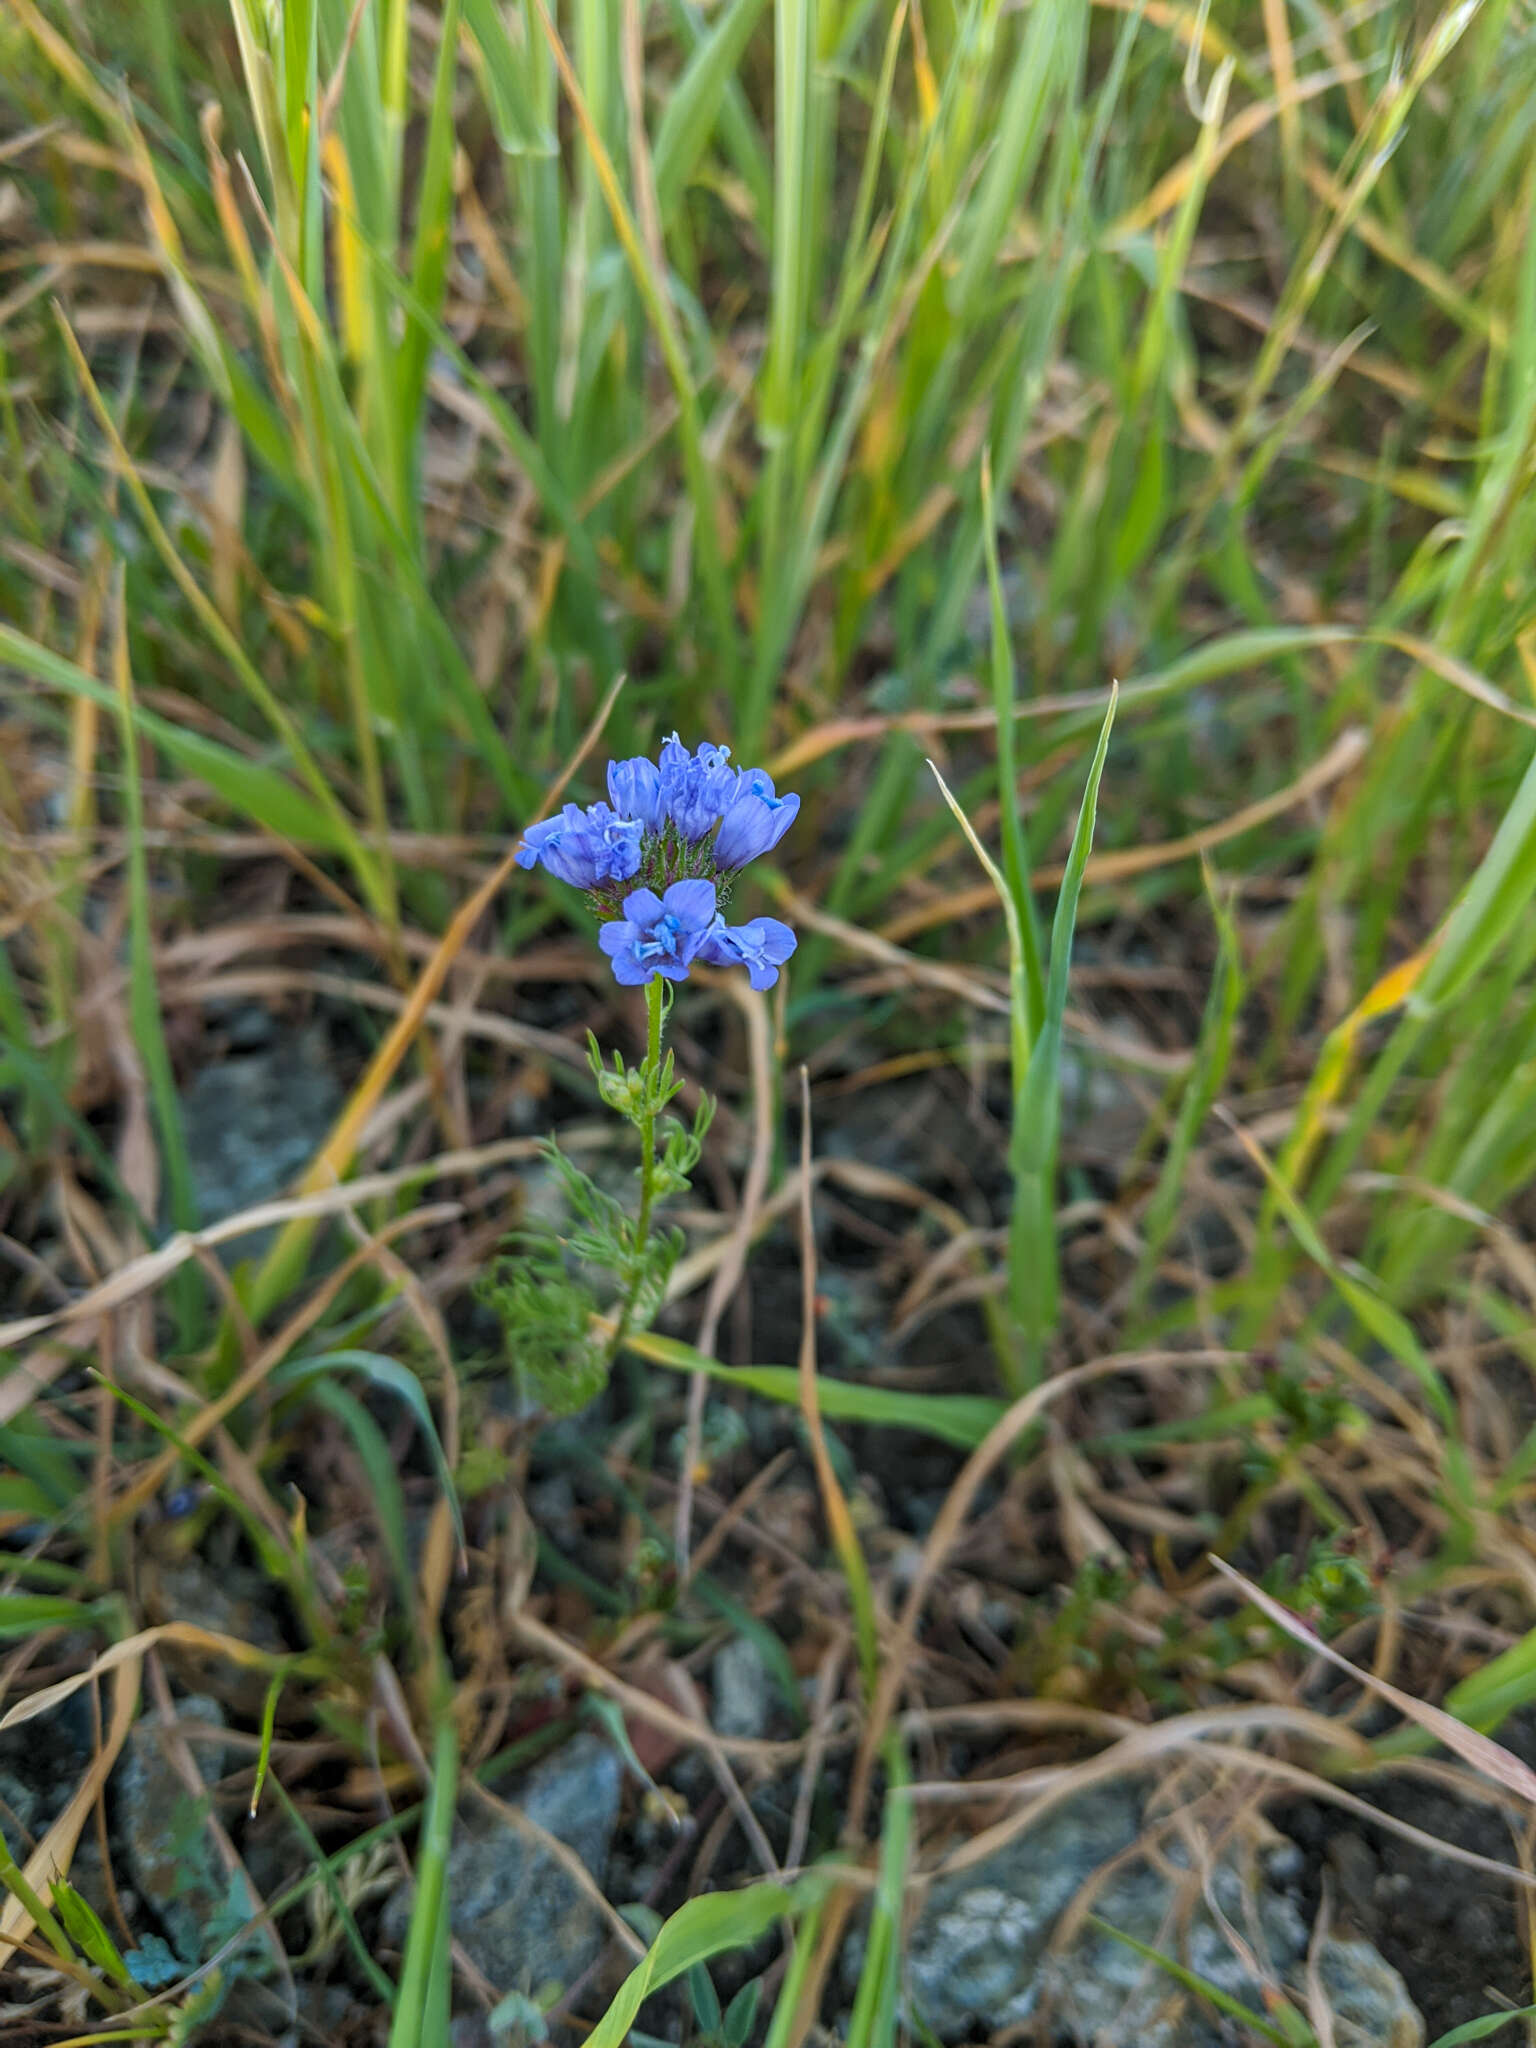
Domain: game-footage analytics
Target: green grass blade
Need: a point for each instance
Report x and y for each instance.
(795, 39)
(1495, 903)
(1356, 1289)
(959, 1419)
(389, 1375)
(83, 1925)
(23, 1615)
(323, 1869)
(1213, 1055)
(509, 88)
(422, 2004)
(704, 1927)
(429, 259)
(877, 2003)
(1032, 1251)
(383, 1478)
(694, 103)
(1016, 865)
(1053, 29)
(1483, 2028)
(143, 993)
(253, 791)
(655, 296)
(364, 864)
(1301, 2036)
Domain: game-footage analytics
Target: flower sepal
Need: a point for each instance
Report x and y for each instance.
(635, 1092)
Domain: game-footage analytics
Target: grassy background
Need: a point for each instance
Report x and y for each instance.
(376, 385)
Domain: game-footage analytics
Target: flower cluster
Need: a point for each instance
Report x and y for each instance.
(679, 829)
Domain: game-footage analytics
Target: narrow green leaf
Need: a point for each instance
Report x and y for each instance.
(872, 2023)
(422, 2006)
(24, 1614)
(705, 2000)
(509, 86)
(1052, 31)
(1390, 1329)
(429, 255)
(372, 1448)
(741, 2014)
(261, 794)
(83, 1925)
(1212, 1056)
(1213, 1994)
(1495, 903)
(704, 1927)
(1016, 862)
(323, 1871)
(693, 104)
(1482, 2028)
(1032, 1249)
(389, 1376)
(143, 989)
(960, 1419)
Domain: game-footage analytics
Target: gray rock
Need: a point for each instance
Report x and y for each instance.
(41, 1764)
(232, 1599)
(253, 1122)
(975, 1952)
(169, 1856)
(1104, 1991)
(1369, 2000)
(743, 1689)
(979, 1957)
(521, 1917)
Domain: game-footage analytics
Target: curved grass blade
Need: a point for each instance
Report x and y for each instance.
(390, 1376)
(259, 793)
(959, 1419)
(704, 1927)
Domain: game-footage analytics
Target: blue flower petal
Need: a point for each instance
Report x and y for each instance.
(752, 826)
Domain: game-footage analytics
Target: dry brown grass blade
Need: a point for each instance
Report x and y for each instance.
(645, 1706)
(951, 1518)
(142, 1274)
(1485, 1756)
(981, 995)
(1244, 125)
(834, 1502)
(1135, 1745)
(272, 1355)
(1055, 1787)
(336, 1154)
(186, 1634)
(51, 1858)
(950, 981)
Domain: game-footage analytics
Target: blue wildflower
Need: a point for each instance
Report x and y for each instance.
(761, 947)
(659, 934)
(584, 847)
(680, 825)
(695, 789)
(755, 820)
(634, 788)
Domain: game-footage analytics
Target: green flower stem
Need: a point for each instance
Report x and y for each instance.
(655, 1003)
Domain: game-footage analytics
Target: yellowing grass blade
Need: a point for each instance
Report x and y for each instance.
(1488, 1758)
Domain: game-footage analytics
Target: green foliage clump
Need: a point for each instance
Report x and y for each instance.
(558, 1342)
